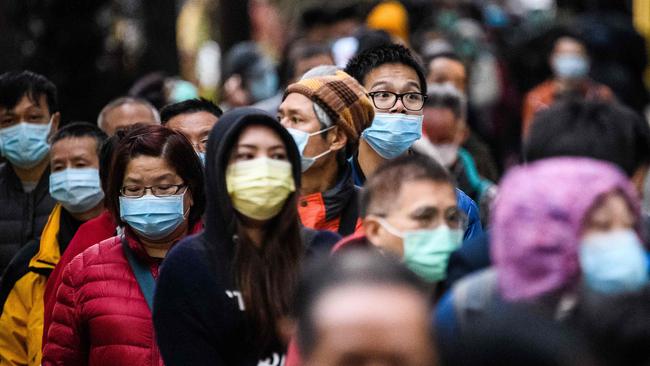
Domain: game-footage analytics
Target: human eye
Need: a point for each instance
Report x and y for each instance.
(165, 189)
(414, 97)
(132, 190)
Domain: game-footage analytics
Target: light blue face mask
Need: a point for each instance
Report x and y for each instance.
(301, 138)
(25, 144)
(570, 66)
(614, 262)
(78, 190)
(426, 252)
(265, 86)
(391, 134)
(153, 217)
(201, 157)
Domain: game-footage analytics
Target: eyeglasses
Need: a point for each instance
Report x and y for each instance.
(412, 101)
(161, 190)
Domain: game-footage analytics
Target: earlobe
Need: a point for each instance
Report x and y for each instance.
(371, 228)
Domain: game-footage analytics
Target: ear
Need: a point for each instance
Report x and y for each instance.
(462, 134)
(56, 120)
(371, 228)
(639, 177)
(337, 139)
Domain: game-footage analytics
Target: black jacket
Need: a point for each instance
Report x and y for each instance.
(22, 215)
(198, 310)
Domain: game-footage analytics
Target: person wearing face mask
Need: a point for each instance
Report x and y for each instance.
(447, 131)
(102, 314)
(74, 184)
(89, 233)
(324, 115)
(551, 247)
(396, 84)
(569, 62)
(221, 293)
(249, 76)
(194, 119)
(29, 116)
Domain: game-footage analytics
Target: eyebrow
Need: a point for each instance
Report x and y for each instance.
(159, 178)
(386, 83)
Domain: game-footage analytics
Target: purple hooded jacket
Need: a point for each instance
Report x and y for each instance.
(538, 219)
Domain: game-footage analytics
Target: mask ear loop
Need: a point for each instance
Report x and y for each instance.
(390, 228)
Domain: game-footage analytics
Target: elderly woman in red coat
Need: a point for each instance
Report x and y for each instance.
(102, 314)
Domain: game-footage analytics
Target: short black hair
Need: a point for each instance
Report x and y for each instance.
(354, 266)
(80, 129)
(16, 84)
(362, 64)
(189, 106)
(601, 130)
(385, 183)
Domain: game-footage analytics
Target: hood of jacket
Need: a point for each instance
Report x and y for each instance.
(538, 218)
(220, 216)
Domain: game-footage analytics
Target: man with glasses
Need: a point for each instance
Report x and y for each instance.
(409, 210)
(28, 117)
(396, 83)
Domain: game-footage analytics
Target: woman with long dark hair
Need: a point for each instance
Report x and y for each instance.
(221, 293)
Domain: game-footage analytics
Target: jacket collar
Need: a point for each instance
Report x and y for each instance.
(49, 253)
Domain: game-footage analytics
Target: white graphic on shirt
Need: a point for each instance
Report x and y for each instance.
(240, 299)
(275, 360)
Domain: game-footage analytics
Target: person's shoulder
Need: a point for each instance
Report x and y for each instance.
(189, 256)
(17, 269)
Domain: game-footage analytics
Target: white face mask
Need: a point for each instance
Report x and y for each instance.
(447, 154)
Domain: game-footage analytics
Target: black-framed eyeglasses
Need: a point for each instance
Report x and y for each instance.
(412, 101)
(160, 190)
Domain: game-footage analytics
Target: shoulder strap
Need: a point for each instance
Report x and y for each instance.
(473, 295)
(350, 214)
(142, 274)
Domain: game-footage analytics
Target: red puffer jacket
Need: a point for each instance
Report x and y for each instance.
(100, 316)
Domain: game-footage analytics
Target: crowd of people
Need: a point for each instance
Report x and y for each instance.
(348, 210)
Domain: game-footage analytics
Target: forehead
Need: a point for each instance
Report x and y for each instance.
(199, 119)
(259, 136)
(567, 44)
(393, 77)
(445, 65)
(416, 193)
(297, 102)
(25, 103)
(144, 166)
(130, 112)
(74, 145)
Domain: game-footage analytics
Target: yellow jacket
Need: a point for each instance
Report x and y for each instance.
(21, 320)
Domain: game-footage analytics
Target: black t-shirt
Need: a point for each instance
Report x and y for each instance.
(68, 226)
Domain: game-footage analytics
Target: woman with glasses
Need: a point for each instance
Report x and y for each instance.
(102, 314)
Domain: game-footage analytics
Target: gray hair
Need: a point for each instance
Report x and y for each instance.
(321, 70)
(115, 103)
(322, 116)
(448, 97)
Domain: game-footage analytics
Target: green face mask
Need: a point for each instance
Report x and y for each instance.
(426, 252)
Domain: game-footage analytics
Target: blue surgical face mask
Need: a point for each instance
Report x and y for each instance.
(78, 190)
(426, 252)
(301, 138)
(391, 134)
(613, 262)
(153, 217)
(201, 157)
(264, 86)
(25, 144)
(570, 66)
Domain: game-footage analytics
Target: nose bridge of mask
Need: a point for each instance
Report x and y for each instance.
(260, 169)
(150, 204)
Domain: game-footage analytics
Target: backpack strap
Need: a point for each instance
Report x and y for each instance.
(473, 295)
(142, 274)
(350, 214)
